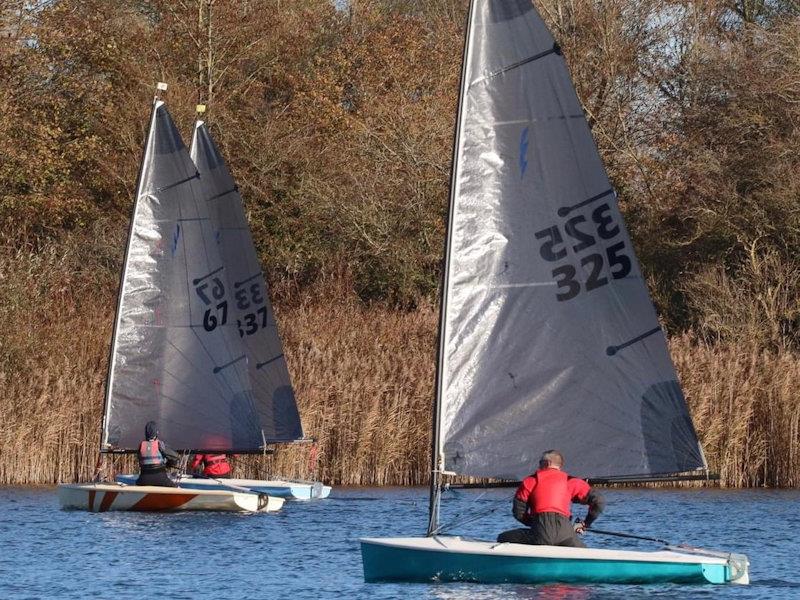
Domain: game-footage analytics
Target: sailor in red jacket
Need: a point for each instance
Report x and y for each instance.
(542, 502)
(214, 465)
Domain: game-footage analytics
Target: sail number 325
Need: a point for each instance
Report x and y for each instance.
(584, 237)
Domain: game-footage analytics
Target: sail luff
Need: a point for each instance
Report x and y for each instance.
(120, 294)
(437, 457)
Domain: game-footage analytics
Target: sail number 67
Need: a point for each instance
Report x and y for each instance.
(214, 316)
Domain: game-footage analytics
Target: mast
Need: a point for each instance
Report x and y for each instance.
(160, 88)
(437, 460)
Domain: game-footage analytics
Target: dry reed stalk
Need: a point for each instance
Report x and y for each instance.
(745, 408)
(363, 376)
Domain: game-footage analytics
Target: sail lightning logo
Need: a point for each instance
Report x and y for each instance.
(175, 237)
(523, 152)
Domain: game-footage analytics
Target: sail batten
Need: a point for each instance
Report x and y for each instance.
(179, 353)
(554, 50)
(548, 337)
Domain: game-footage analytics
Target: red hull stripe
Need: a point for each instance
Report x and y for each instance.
(162, 501)
(108, 499)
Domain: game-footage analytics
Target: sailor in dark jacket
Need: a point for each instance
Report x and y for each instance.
(154, 458)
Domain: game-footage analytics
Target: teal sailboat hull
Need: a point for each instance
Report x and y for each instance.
(455, 559)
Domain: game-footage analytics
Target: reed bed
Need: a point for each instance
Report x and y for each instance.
(363, 376)
(746, 409)
(51, 405)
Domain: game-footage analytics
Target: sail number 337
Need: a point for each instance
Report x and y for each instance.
(248, 298)
(588, 240)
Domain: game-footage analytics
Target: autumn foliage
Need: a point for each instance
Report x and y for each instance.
(337, 121)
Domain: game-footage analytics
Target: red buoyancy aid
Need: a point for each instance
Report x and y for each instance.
(150, 454)
(215, 464)
(555, 491)
(552, 493)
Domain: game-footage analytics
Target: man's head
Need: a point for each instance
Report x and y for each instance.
(551, 459)
(150, 431)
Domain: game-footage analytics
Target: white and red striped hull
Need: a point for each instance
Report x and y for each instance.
(102, 497)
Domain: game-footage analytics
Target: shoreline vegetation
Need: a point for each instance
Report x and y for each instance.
(337, 122)
(364, 381)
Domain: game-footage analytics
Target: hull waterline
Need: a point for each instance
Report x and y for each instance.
(289, 490)
(102, 497)
(455, 559)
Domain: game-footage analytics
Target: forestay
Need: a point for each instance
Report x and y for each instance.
(178, 356)
(549, 338)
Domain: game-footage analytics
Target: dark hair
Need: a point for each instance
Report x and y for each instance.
(150, 431)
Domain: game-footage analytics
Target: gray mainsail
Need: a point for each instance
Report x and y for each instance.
(250, 308)
(177, 356)
(548, 336)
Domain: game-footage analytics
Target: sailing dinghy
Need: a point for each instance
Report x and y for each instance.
(102, 497)
(279, 488)
(177, 354)
(548, 338)
(251, 316)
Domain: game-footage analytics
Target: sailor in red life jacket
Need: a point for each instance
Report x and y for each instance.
(154, 458)
(214, 465)
(542, 502)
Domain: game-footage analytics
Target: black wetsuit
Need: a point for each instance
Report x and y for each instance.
(549, 529)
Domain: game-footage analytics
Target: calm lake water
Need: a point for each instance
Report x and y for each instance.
(310, 550)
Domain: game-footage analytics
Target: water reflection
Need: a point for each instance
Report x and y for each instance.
(542, 592)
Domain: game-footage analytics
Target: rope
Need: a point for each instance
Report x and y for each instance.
(182, 467)
(471, 518)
